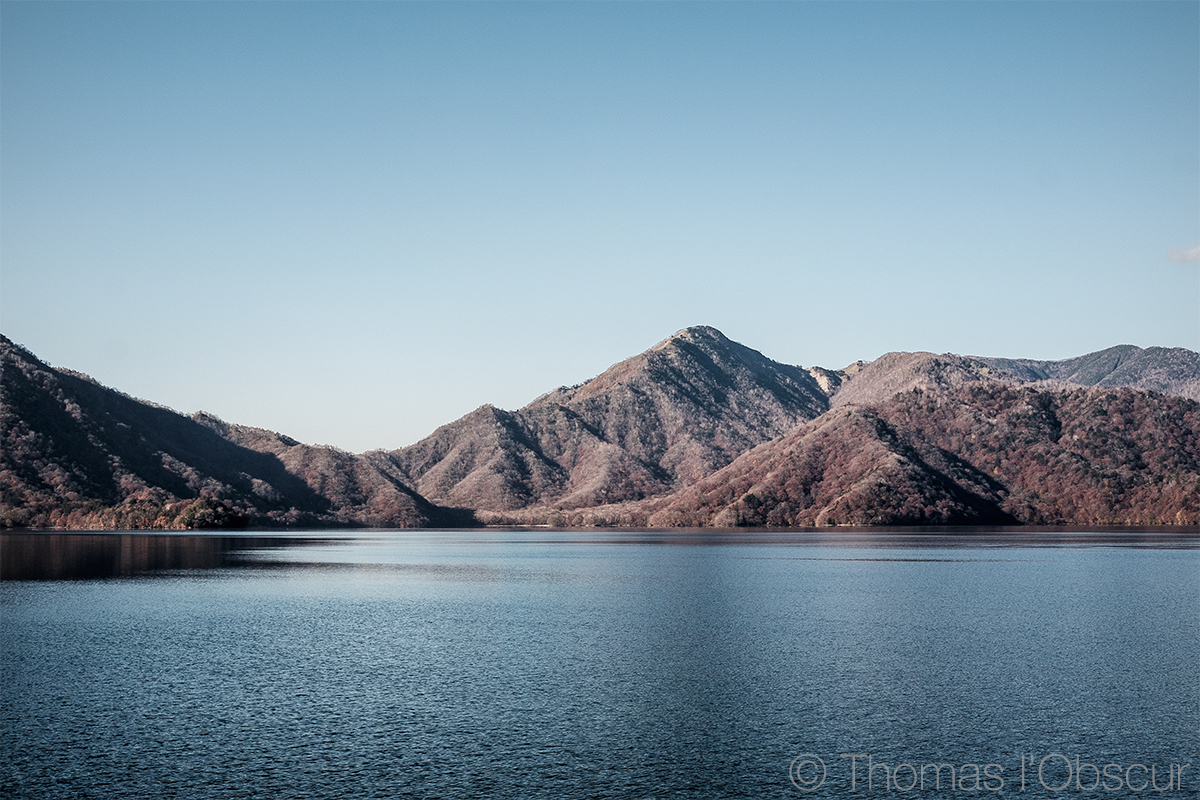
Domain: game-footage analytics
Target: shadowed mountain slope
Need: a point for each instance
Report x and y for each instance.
(657, 421)
(360, 489)
(76, 454)
(848, 467)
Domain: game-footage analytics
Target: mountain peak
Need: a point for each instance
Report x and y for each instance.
(982, 439)
(696, 334)
(663, 418)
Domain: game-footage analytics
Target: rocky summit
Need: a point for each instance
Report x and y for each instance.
(696, 431)
(648, 425)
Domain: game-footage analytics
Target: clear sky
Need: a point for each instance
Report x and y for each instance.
(354, 222)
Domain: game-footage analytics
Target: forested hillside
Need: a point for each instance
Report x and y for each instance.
(74, 454)
(696, 431)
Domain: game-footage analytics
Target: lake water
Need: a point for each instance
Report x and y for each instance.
(600, 665)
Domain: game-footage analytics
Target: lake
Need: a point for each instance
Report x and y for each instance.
(601, 664)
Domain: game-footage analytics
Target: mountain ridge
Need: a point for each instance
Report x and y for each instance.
(981, 453)
(1122, 365)
(696, 431)
(652, 422)
(76, 454)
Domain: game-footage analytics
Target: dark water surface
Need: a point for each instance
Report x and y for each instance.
(591, 665)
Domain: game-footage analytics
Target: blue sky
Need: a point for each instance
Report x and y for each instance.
(354, 222)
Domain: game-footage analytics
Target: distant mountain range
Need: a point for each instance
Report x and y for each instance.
(697, 431)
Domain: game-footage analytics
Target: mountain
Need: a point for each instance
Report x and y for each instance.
(696, 431)
(76, 454)
(981, 452)
(646, 426)
(1174, 371)
(1168, 371)
(874, 382)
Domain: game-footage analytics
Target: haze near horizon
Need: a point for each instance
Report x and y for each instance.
(352, 223)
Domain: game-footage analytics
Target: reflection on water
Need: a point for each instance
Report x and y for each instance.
(598, 664)
(77, 556)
